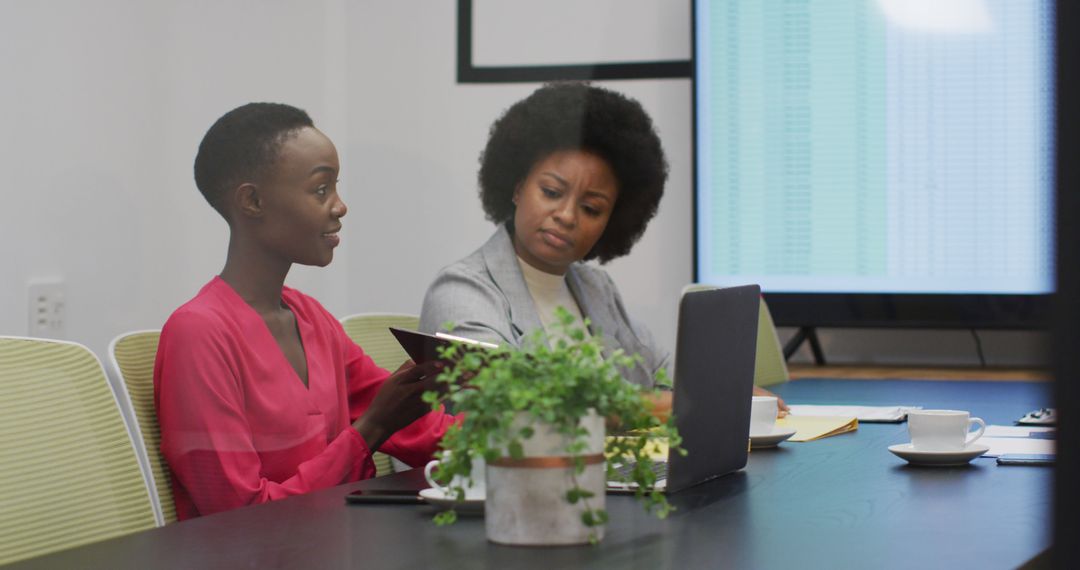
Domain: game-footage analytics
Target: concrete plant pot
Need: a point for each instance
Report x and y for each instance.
(526, 498)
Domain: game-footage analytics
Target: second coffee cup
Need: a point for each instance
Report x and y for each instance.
(942, 430)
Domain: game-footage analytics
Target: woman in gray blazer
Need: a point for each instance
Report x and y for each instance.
(571, 173)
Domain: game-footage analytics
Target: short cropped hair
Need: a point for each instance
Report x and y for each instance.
(578, 116)
(241, 145)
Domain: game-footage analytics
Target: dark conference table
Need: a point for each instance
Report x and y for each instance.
(840, 502)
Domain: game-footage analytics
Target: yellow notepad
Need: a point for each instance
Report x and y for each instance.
(809, 428)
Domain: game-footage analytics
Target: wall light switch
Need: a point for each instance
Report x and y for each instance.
(47, 308)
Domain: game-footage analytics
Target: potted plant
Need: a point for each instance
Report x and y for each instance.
(537, 415)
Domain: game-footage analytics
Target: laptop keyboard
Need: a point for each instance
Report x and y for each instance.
(659, 468)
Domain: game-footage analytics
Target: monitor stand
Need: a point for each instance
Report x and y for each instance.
(805, 334)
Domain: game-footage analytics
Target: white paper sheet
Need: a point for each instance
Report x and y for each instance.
(863, 413)
(1014, 431)
(1001, 445)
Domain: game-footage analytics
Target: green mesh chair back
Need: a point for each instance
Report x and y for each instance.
(132, 358)
(69, 474)
(769, 364)
(371, 332)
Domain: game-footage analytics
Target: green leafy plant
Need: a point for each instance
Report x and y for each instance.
(556, 384)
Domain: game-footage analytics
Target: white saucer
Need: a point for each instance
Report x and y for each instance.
(770, 439)
(938, 458)
(439, 499)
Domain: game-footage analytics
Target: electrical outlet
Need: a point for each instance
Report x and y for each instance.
(48, 309)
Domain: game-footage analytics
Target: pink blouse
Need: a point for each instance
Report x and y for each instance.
(239, 427)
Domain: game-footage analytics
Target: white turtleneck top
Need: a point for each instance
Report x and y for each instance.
(549, 291)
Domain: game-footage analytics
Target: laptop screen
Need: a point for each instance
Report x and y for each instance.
(714, 382)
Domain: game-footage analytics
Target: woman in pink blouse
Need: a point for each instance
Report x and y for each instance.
(260, 393)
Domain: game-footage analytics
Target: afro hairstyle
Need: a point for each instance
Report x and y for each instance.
(578, 116)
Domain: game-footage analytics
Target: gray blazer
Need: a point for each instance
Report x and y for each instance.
(486, 298)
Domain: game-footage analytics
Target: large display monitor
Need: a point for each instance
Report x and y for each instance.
(877, 162)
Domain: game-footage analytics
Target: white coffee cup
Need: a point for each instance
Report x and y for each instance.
(763, 410)
(942, 430)
(476, 491)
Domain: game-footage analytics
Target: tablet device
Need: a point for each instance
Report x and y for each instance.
(423, 347)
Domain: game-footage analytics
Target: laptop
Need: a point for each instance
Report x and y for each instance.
(714, 382)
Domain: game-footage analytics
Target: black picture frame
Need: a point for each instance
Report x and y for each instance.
(469, 73)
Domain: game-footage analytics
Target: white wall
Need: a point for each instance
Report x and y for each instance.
(104, 104)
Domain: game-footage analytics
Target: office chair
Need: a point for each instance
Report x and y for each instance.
(131, 362)
(769, 365)
(371, 332)
(69, 475)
